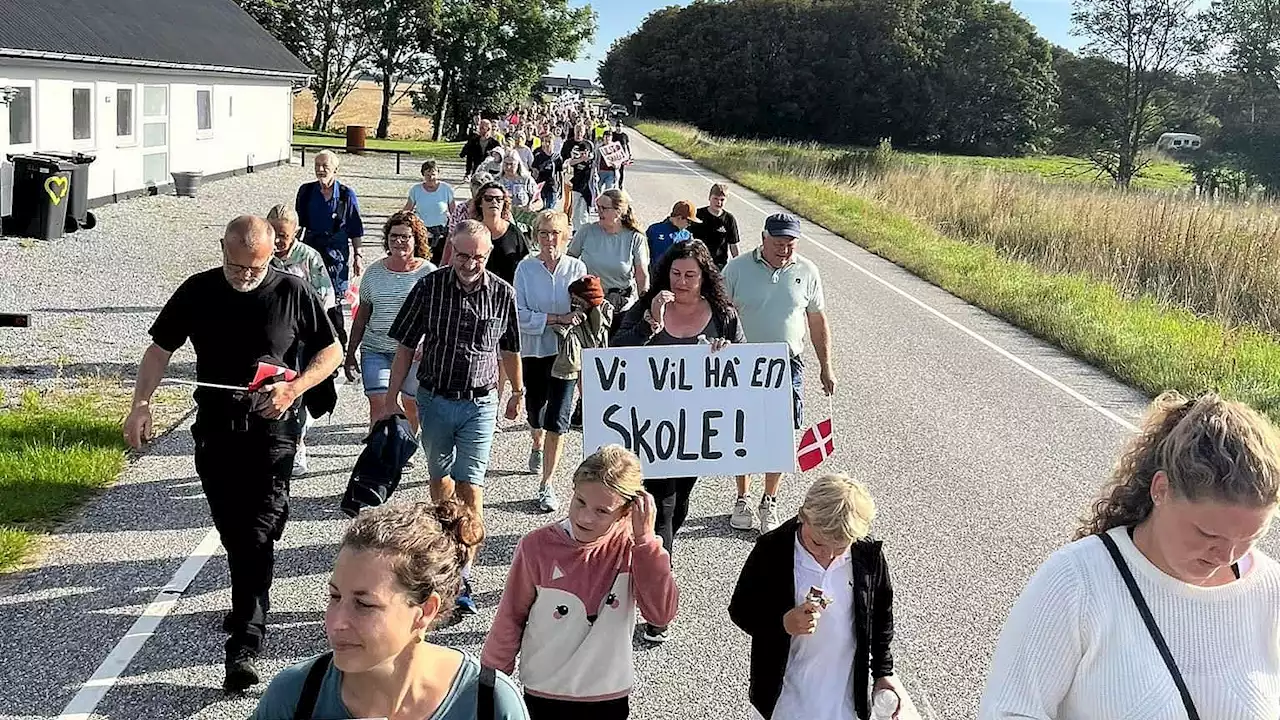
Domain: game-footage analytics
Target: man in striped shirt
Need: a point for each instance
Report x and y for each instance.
(465, 318)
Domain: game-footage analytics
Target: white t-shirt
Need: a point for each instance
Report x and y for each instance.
(1075, 648)
(432, 206)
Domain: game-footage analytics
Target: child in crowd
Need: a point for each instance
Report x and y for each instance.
(569, 607)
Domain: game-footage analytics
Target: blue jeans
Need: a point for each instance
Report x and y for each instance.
(608, 180)
(550, 196)
(797, 389)
(457, 435)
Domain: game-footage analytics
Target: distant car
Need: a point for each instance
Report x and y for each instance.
(1178, 141)
(618, 110)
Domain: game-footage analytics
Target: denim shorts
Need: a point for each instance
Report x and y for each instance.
(375, 372)
(797, 389)
(457, 435)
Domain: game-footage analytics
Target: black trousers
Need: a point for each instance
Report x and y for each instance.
(671, 506)
(546, 709)
(337, 318)
(244, 468)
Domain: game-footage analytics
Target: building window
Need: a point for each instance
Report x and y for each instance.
(124, 112)
(81, 114)
(20, 117)
(204, 110)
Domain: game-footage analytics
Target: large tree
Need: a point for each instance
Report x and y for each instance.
(404, 35)
(1148, 42)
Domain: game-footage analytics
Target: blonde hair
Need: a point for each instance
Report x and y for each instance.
(284, 214)
(627, 214)
(838, 508)
(615, 467)
(1209, 449)
(554, 218)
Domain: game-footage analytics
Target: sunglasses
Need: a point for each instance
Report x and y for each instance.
(493, 198)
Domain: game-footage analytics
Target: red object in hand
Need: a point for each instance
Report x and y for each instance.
(817, 444)
(268, 373)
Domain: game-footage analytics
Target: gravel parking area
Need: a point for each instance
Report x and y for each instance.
(93, 294)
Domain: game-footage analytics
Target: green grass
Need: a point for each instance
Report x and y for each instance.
(439, 150)
(1159, 175)
(1152, 346)
(55, 451)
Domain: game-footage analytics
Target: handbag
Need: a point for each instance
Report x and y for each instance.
(1150, 622)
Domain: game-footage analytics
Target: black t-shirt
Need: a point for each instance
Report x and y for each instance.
(717, 232)
(232, 331)
(547, 167)
(508, 251)
(581, 178)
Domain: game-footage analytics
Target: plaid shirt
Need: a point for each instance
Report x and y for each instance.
(460, 331)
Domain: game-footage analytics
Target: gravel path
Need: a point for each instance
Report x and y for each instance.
(92, 295)
(978, 466)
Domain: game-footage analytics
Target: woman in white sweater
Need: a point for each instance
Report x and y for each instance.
(1191, 495)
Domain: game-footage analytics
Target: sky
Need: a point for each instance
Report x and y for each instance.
(616, 18)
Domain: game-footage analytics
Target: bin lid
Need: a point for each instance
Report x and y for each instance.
(78, 158)
(43, 161)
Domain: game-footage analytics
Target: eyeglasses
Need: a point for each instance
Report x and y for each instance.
(549, 233)
(466, 258)
(493, 198)
(251, 270)
(400, 237)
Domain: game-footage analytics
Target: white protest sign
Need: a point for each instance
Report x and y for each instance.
(613, 154)
(686, 411)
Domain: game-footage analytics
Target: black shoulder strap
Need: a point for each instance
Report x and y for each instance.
(1150, 622)
(344, 200)
(485, 692)
(311, 687)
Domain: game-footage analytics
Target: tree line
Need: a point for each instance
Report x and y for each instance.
(971, 76)
(452, 58)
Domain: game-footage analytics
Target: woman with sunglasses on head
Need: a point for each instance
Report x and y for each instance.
(383, 290)
(1176, 533)
(687, 304)
(510, 245)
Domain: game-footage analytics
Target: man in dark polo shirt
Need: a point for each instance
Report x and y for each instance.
(717, 228)
(465, 318)
(235, 316)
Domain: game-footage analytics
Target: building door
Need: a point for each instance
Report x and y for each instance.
(155, 135)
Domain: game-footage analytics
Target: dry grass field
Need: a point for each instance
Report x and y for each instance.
(362, 107)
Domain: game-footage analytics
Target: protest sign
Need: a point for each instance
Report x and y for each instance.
(614, 154)
(686, 411)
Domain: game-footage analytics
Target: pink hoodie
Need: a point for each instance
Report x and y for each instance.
(569, 611)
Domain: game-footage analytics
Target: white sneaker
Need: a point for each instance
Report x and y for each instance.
(547, 501)
(300, 460)
(768, 512)
(742, 519)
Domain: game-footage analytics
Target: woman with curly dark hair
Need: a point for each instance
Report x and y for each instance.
(385, 285)
(686, 304)
(1163, 607)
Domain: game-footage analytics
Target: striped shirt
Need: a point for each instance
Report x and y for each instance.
(386, 290)
(460, 331)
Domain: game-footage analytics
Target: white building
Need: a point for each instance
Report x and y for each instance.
(148, 87)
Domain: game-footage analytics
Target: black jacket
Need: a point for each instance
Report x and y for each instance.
(376, 474)
(766, 591)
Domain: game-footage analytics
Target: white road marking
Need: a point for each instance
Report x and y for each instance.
(1080, 397)
(86, 700)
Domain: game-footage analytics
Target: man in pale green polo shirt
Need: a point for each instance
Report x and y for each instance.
(779, 295)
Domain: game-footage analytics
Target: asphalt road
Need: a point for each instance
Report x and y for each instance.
(981, 444)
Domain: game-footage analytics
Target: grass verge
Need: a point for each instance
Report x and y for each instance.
(1149, 344)
(58, 449)
(439, 150)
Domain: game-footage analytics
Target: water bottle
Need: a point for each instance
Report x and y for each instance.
(884, 703)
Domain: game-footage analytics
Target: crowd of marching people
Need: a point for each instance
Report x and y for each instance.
(493, 297)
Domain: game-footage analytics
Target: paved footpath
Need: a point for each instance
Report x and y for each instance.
(980, 443)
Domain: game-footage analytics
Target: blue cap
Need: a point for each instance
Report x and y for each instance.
(782, 225)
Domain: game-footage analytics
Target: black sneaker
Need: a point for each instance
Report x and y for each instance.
(655, 634)
(465, 606)
(242, 674)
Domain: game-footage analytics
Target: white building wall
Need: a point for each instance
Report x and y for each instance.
(252, 121)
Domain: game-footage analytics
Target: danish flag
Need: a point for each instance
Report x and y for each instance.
(268, 372)
(816, 445)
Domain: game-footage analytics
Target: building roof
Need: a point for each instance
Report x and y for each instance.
(180, 34)
(555, 81)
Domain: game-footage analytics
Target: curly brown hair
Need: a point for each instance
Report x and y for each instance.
(427, 545)
(421, 238)
(1208, 447)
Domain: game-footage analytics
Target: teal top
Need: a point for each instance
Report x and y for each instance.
(281, 698)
